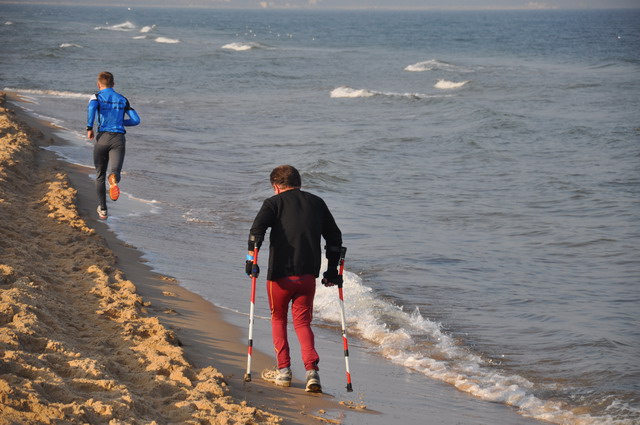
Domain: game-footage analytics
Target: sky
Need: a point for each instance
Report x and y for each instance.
(361, 4)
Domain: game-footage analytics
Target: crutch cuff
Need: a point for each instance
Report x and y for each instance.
(333, 255)
(254, 241)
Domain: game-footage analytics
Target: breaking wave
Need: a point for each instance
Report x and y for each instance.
(348, 92)
(54, 93)
(125, 26)
(435, 65)
(167, 40)
(148, 28)
(445, 85)
(410, 340)
(241, 47)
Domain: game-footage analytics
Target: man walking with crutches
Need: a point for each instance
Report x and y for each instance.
(297, 220)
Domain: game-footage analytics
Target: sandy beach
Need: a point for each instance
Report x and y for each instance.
(89, 334)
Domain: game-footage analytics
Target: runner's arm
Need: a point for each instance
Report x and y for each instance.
(134, 118)
(92, 109)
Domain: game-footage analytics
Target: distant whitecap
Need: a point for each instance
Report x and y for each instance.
(148, 28)
(344, 91)
(446, 85)
(68, 45)
(429, 65)
(167, 40)
(435, 65)
(240, 47)
(125, 26)
(348, 92)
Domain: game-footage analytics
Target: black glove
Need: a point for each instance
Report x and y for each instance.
(331, 277)
(251, 269)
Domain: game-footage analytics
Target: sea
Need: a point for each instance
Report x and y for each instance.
(484, 167)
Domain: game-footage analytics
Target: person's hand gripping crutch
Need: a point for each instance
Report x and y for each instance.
(333, 276)
(252, 270)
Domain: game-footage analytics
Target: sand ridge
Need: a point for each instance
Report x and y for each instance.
(76, 342)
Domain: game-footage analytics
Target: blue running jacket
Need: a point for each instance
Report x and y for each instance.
(111, 107)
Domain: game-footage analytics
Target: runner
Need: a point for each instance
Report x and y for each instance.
(114, 113)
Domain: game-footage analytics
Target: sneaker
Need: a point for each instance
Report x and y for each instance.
(280, 377)
(102, 213)
(114, 190)
(313, 382)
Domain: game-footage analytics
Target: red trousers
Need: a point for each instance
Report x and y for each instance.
(299, 291)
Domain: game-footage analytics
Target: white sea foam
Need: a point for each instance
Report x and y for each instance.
(125, 26)
(167, 40)
(435, 65)
(397, 334)
(241, 47)
(140, 37)
(148, 28)
(8, 23)
(445, 85)
(348, 92)
(429, 65)
(154, 206)
(54, 93)
(344, 91)
(67, 45)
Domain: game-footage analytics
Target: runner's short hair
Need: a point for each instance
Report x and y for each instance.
(286, 176)
(105, 78)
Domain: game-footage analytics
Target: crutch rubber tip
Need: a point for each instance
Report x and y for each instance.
(349, 388)
(247, 377)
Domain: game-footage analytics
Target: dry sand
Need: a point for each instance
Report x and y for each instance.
(81, 342)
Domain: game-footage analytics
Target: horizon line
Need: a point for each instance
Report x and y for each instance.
(314, 8)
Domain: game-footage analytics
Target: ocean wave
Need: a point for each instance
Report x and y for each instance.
(68, 45)
(167, 40)
(199, 217)
(8, 23)
(435, 65)
(125, 26)
(241, 47)
(344, 91)
(55, 93)
(147, 28)
(446, 85)
(400, 337)
(348, 92)
(429, 65)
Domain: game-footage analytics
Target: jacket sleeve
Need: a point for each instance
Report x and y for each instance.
(330, 230)
(134, 118)
(264, 219)
(92, 109)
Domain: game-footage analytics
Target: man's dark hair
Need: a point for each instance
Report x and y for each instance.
(286, 176)
(106, 79)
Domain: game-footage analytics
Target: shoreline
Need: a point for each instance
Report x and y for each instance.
(206, 341)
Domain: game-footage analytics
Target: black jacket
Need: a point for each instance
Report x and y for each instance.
(297, 220)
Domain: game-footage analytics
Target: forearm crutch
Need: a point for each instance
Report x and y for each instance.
(343, 252)
(254, 277)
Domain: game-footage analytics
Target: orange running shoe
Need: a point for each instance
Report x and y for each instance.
(114, 190)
